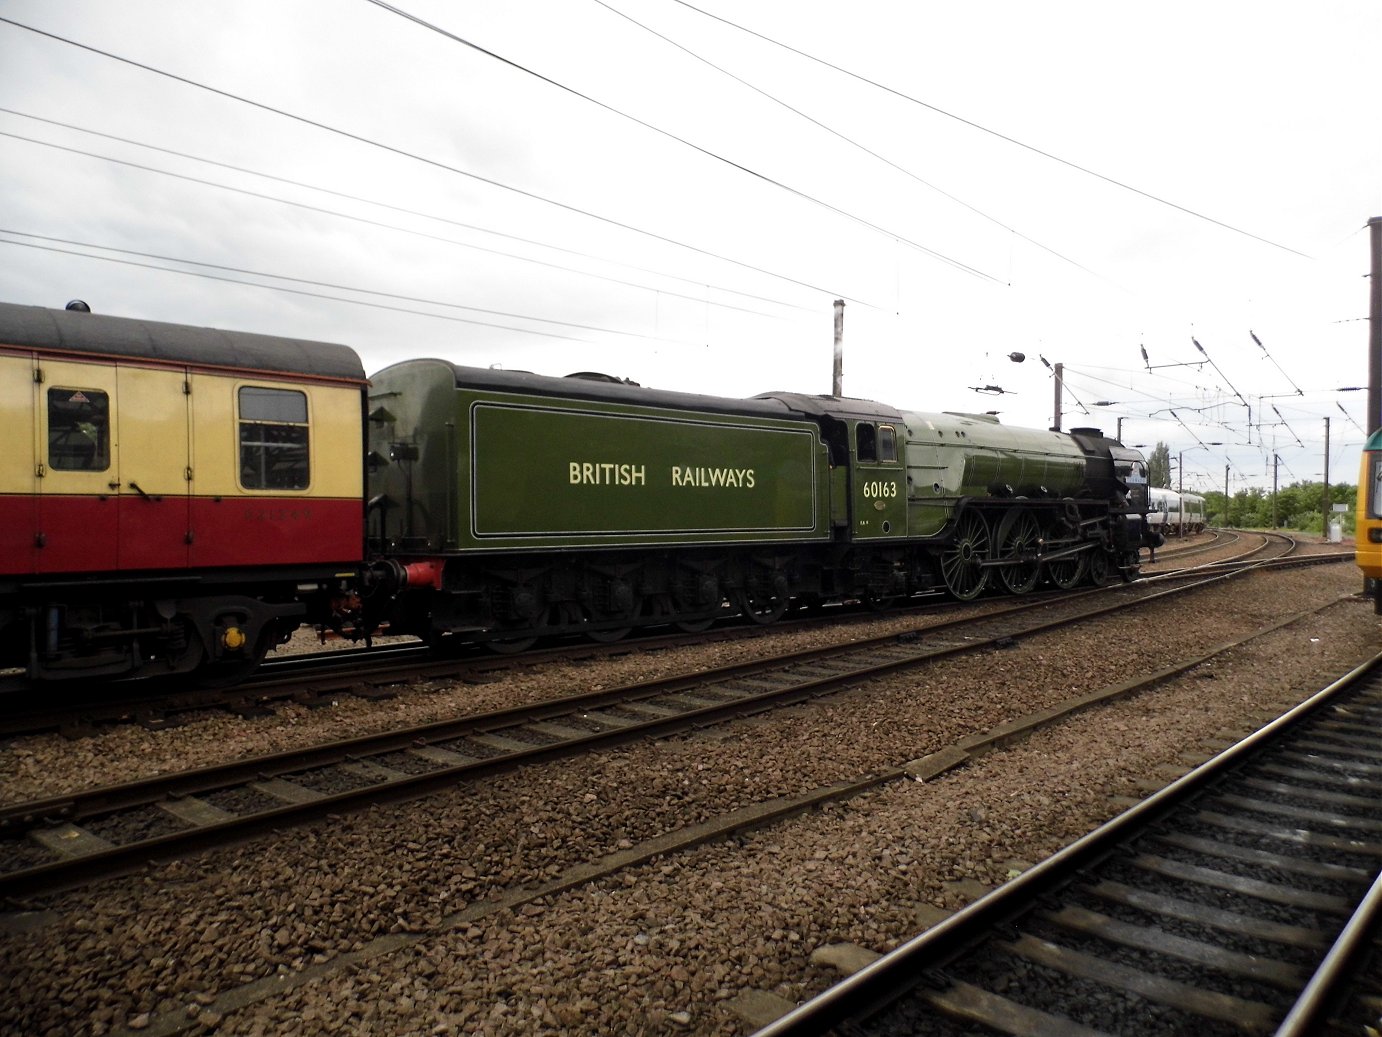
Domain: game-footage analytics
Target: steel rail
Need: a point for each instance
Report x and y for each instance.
(879, 984)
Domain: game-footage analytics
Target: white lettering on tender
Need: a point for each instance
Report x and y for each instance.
(607, 473)
(736, 478)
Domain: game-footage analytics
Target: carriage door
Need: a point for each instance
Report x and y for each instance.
(880, 483)
(155, 468)
(18, 465)
(77, 470)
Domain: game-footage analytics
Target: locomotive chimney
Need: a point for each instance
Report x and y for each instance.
(838, 381)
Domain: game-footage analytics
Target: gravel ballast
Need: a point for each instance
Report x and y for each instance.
(677, 944)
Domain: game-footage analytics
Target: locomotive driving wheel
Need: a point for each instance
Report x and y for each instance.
(1067, 572)
(1020, 540)
(962, 562)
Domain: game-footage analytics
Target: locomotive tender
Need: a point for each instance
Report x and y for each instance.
(182, 499)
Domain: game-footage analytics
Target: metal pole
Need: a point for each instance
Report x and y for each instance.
(1226, 468)
(1180, 479)
(1276, 463)
(837, 383)
(1324, 526)
(1060, 381)
(1375, 329)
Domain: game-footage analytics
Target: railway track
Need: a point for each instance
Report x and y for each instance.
(377, 672)
(1240, 899)
(68, 840)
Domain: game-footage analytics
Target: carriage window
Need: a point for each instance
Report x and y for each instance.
(866, 442)
(273, 439)
(887, 443)
(78, 430)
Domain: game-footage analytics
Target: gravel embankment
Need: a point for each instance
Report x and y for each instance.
(670, 946)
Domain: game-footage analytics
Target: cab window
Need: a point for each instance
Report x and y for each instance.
(865, 442)
(887, 443)
(78, 430)
(273, 439)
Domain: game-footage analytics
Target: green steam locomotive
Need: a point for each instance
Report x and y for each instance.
(504, 506)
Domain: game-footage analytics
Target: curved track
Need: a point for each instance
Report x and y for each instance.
(1235, 901)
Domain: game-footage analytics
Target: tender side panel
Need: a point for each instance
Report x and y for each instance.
(558, 473)
(18, 458)
(276, 472)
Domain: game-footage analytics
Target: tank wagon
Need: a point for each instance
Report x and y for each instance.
(177, 500)
(510, 505)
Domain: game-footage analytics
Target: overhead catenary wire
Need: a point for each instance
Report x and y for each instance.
(300, 291)
(1273, 360)
(797, 192)
(435, 163)
(992, 132)
(700, 298)
(341, 287)
(844, 137)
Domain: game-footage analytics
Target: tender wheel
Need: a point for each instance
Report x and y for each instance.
(1020, 538)
(510, 645)
(694, 626)
(961, 567)
(876, 602)
(608, 635)
(696, 602)
(759, 607)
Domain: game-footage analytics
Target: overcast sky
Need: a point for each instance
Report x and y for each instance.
(676, 192)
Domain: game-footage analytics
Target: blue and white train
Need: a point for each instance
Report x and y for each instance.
(1175, 514)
